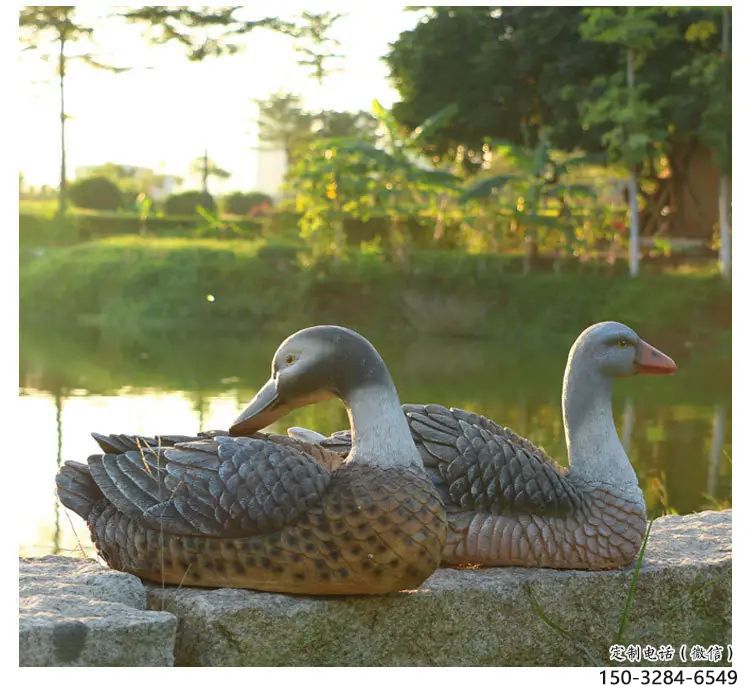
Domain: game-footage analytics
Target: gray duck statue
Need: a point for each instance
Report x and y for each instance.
(508, 502)
(268, 512)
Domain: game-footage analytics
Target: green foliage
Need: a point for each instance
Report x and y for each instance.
(515, 72)
(46, 230)
(344, 124)
(96, 192)
(251, 203)
(709, 73)
(283, 123)
(632, 121)
(632, 118)
(206, 168)
(338, 179)
(510, 71)
(137, 281)
(187, 202)
(315, 44)
(638, 28)
(214, 227)
(132, 181)
(537, 194)
(202, 31)
(55, 22)
(36, 230)
(41, 25)
(216, 30)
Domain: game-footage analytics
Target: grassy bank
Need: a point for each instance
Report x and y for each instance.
(135, 284)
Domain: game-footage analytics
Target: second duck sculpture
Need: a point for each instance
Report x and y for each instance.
(509, 503)
(262, 512)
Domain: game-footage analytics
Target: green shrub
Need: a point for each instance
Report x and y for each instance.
(96, 192)
(252, 203)
(282, 224)
(45, 230)
(40, 230)
(185, 203)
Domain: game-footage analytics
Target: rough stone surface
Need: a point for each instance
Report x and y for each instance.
(75, 612)
(477, 617)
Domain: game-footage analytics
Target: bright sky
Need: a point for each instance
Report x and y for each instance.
(166, 110)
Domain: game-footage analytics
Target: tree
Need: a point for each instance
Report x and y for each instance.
(722, 108)
(58, 24)
(510, 72)
(206, 167)
(202, 31)
(314, 42)
(96, 192)
(345, 124)
(709, 73)
(216, 31)
(519, 71)
(283, 123)
(633, 117)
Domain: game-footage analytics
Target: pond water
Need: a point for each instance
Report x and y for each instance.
(676, 429)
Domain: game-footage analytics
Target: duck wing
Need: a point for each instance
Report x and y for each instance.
(480, 465)
(330, 458)
(221, 486)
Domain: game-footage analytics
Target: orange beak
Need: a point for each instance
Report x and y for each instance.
(649, 360)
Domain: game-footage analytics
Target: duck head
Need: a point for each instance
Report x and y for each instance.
(615, 350)
(314, 364)
(600, 354)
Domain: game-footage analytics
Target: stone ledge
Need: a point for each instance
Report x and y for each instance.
(476, 617)
(74, 612)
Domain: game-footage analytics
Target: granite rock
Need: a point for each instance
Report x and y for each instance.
(490, 616)
(76, 612)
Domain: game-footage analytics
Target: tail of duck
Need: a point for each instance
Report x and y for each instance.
(76, 488)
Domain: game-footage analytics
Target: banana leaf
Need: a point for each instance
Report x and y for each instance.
(433, 177)
(427, 128)
(546, 221)
(484, 188)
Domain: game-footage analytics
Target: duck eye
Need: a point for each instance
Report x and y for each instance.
(623, 343)
(289, 359)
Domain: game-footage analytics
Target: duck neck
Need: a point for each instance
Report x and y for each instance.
(380, 433)
(595, 453)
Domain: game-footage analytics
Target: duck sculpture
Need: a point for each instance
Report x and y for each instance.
(267, 512)
(509, 503)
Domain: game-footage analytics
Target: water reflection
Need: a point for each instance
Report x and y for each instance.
(677, 431)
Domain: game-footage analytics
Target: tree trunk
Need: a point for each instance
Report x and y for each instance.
(725, 248)
(633, 188)
(725, 232)
(634, 232)
(717, 447)
(531, 251)
(62, 200)
(204, 172)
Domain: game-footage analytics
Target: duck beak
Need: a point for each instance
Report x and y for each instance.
(649, 360)
(265, 408)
